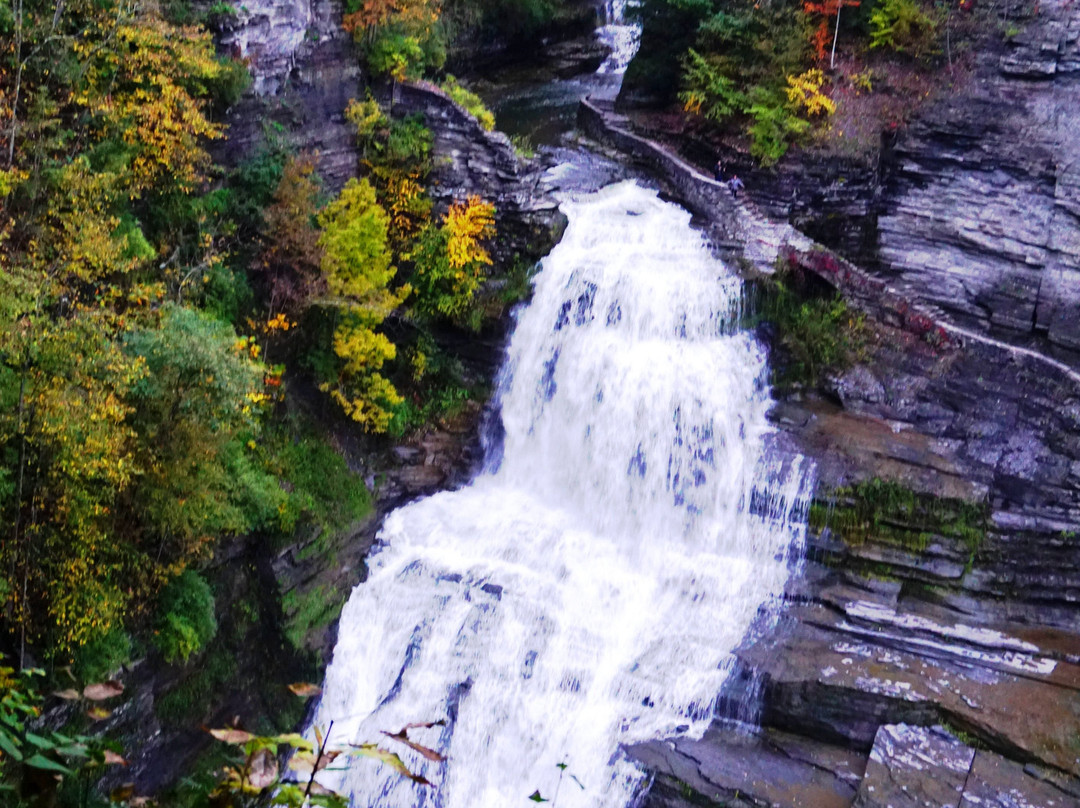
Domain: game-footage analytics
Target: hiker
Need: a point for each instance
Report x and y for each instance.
(718, 171)
(736, 185)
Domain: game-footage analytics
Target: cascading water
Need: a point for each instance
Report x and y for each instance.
(589, 590)
(620, 36)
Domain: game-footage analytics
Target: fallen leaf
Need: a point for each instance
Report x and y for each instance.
(99, 713)
(535, 797)
(262, 769)
(305, 689)
(113, 759)
(231, 735)
(389, 758)
(103, 690)
(70, 694)
(305, 761)
(430, 754)
(122, 793)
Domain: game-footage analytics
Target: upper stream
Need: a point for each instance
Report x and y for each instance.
(587, 590)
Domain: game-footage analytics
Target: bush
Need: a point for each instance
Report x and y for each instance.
(185, 621)
(231, 83)
(817, 333)
(902, 26)
(470, 101)
(324, 490)
(103, 655)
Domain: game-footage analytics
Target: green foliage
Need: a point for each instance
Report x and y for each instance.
(708, 91)
(408, 142)
(396, 54)
(310, 611)
(233, 79)
(523, 146)
(816, 334)
(193, 411)
(774, 125)
(742, 73)
(451, 261)
(356, 267)
(470, 101)
(185, 620)
(103, 656)
(902, 26)
(883, 510)
(439, 388)
(39, 758)
(324, 491)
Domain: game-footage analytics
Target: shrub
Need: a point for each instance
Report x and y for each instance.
(231, 82)
(773, 126)
(185, 620)
(902, 26)
(470, 101)
(817, 333)
(102, 656)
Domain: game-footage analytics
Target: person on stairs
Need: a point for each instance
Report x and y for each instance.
(736, 185)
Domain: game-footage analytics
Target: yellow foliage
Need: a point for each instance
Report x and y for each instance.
(367, 116)
(137, 93)
(468, 224)
(804, 92)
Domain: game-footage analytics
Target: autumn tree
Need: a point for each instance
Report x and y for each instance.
(357, 269)
(291, 259)
(452, 259)
(400, 38)
(828, 9)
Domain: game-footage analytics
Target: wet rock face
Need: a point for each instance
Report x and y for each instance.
(981, 215)
(304, 72)
(927, 767)
(469, 161)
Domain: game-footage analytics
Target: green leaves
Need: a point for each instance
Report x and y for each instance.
(185, 621)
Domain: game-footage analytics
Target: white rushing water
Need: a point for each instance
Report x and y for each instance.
(621, 36)
(589, 591)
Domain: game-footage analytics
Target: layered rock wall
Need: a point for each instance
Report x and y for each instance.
(981, 213)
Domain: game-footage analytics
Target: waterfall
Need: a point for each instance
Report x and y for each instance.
(619, 35)
(588, 589)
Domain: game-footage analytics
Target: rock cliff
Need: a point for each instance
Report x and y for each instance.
(928, 654)
(981, 212)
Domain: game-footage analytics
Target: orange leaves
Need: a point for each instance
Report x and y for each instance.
(370, 14)
(828, 9)
(291, 253)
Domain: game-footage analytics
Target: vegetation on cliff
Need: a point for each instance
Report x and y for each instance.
(151, 300)
(835, 73)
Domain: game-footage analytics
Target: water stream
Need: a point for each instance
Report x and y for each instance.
(588, 589)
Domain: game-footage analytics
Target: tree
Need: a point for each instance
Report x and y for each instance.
(827, 9)
(292, 257)
(357, 271)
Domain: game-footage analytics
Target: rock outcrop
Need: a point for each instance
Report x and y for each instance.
(981, 211)
(467, 161)
(304, 71)
(910, 625)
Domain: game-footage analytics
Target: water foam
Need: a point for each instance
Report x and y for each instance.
(588, 590)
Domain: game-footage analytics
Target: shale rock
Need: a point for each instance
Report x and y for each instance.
(982, 213)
